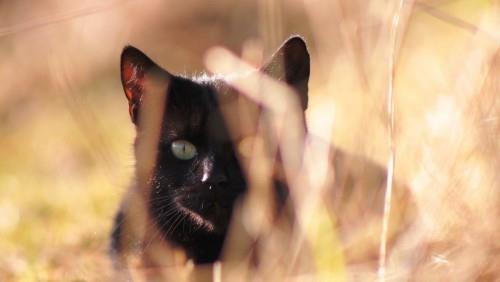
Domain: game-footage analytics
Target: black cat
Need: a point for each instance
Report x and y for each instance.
(188, 172)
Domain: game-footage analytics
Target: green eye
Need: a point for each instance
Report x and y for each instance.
(183, 150)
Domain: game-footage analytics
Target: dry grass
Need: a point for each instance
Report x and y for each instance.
(66, 155)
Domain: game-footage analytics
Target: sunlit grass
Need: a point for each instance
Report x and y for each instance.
(58, 194)
(66, 138)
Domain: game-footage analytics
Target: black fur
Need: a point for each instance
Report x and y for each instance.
(191, 201)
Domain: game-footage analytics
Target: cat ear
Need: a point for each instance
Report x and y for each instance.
(291, 64)
(135, 68)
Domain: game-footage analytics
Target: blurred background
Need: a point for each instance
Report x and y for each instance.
(66, 137)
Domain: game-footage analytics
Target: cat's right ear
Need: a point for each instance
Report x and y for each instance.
(291, 64)
(135, 69)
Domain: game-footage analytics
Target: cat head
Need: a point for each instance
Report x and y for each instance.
(186, 125)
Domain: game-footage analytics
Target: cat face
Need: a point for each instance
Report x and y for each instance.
(196, 168)
(196, 173)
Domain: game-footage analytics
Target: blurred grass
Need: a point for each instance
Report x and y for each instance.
(59, 189)
(65, 146)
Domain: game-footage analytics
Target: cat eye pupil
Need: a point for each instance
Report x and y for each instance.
(183, 149)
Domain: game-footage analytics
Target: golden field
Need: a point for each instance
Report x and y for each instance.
(66, 137)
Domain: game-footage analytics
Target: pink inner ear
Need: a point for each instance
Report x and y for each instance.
(132, 80)
(127, 72)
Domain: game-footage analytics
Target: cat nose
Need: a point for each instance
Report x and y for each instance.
(212, 174)
(215, 177)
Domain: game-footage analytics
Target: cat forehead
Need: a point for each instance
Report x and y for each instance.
(192, 108)
(209, 91)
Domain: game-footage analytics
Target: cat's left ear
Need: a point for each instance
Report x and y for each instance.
(136, 68)
(291, 64)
